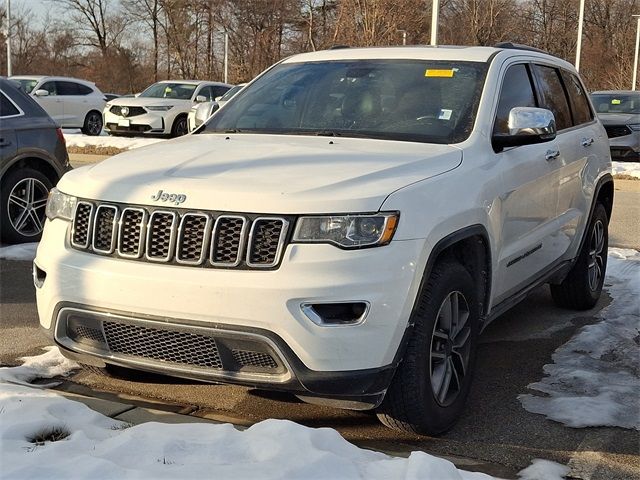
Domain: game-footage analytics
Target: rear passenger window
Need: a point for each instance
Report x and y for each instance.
(516, 92)
(83, 89)
(67, 88)
(7, 109)
(578, 98)
(552, 95)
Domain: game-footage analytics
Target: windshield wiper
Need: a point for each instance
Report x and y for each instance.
(325, 133)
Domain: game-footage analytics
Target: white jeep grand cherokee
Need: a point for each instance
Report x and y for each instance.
(343, 230)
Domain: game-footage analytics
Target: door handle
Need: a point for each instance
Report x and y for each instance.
(551, 154)
(586, 142)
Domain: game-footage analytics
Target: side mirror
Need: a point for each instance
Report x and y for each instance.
(218, 98)
(527, 126)
(201, 99)
(41, 93)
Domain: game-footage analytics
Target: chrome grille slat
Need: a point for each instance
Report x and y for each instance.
(161, 236)
(192, 238)
(227, 240)
(104, 228)
(176, 236)
(132, 229)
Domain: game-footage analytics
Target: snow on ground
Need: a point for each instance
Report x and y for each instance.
(544, 470)
(22, 251)
(90, 445)
(595, 378)
(75, 138)
(628, 168)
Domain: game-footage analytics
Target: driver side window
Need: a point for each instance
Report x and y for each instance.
(49, 87)
(517, 91)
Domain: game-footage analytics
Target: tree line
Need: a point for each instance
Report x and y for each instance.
(124, 45)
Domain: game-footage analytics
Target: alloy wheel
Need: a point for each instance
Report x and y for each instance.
(596, 259)
(26, 206)
(450, 348)
(94, 124)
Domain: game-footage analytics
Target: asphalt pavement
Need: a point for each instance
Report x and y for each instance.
(496, 434)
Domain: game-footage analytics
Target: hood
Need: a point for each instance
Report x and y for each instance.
(146, 101)
(263, 173)
(619, 118)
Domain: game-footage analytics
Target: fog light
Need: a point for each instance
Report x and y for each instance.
(87, 331)
(336, 314)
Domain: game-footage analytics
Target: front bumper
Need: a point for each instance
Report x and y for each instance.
(151, 123)
(267, 302)
(625, 148)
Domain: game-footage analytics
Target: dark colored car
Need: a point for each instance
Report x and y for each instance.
(619, 111)
(33, 157)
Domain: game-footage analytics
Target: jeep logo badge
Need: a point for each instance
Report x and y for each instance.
(162, 196)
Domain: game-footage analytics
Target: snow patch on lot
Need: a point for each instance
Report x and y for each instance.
(627, 168)
(23, 251)
(595, 378)
(75, 138)
(98, 447)
(544, 470)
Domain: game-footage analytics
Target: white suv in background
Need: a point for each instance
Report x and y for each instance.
(161, 109)
(201, 112)
(343, 230)
(71, 102)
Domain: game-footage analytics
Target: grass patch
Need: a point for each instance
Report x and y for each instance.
(122, 426)
(95, 150)
(52, 434)
(624, 176)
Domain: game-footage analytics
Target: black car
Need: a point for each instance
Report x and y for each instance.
(33, 157)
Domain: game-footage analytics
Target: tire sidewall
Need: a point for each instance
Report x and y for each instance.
(176, 124)
(85, 128)
(600, 214)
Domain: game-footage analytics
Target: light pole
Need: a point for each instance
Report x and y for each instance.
(8, 38)
(579, 45)
(226, 56)
(404, 36)
(435, 10)
(635, 57)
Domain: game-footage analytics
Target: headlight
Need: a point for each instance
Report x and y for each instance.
(60, 205)
(347, 231)
(160, 108)
(635, 127)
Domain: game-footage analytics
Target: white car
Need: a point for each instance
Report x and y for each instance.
(71, 102)
(161, 109)
(201, 112)
(343, 230)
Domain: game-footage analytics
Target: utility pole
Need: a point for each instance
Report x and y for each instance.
(579, 45)
(635, 58)
(435, 10)
(226, 57)
(404, 36)
(8, 38)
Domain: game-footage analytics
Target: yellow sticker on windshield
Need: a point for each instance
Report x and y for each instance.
(615, 101)
(448, 73)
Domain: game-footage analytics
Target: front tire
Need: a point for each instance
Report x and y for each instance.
(431, 385)
(179, 127)
(23, 200)
(92, 124)
(581, 288)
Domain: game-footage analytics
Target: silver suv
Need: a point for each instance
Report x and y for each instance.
(343, 229)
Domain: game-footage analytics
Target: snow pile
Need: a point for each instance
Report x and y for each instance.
(76, 139)
(595, 378)
(627, 168)
(544, 470)
(90, 445)
(23, 251)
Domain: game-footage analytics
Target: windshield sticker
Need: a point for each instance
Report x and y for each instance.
(444, 114)
(167, 90)
(448, 73)
(615, 101)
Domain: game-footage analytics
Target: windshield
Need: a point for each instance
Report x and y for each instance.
(411, 100)
(230, 93)
(180, 91)
(617, 103)
(26, 84)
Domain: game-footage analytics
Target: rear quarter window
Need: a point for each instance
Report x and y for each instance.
(7, 108)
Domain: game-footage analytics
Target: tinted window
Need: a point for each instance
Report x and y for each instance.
(49, 87)
(578, 99)
(552, 95)
(219, 91)
(516, 92)
(7, 108)
(412, 100)
(83, 89)
(207, 92)
(67, 88)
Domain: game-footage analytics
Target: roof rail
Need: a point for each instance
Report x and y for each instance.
(517, 46)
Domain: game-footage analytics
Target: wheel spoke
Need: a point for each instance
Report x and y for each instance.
(446, 381)
(36, 220)
(20, 221)
(463, 363)
(440, 335)
(446, 316)
(21, 202)
(31, 190)
(461, 338)
(438, 355)
(455, 314)
(455, 373)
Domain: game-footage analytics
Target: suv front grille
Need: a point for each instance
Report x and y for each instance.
(208, 239)
(132, 112)
(614, 131)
